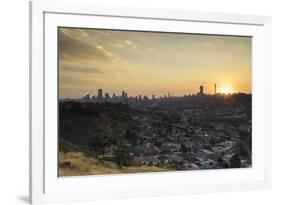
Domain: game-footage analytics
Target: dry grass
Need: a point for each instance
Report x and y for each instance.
(82, 165)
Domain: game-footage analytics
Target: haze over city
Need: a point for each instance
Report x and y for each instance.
(151, 63)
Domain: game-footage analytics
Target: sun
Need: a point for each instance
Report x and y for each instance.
(226, 90)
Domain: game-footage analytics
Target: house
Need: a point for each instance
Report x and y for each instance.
(207, 153)
(171, 147)
(164, 159)
(151, 160)
(128, 143)
(152, 149)
(204, 154)
(227, 158)
(147, 145)
(139, 149)
(208, 164)
(190, 166)
(138, 160)
(217, 149)
(176, 158)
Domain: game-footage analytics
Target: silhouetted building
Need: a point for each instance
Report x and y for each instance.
(99, 94)
(106, 96)
(215, 88)
(201, 89)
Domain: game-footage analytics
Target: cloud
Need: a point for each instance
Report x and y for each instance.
(123, 44)
(75, 32)
(75, 50)
(104, 33)
(128, 42)
(83, 33)
(82, 70)
(70, 80)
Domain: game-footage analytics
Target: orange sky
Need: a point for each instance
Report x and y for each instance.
(150, 63)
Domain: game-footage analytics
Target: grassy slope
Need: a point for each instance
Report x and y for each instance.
(82, 165)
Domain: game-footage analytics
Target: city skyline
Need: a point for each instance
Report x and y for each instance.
(150, 63)
(103, 96)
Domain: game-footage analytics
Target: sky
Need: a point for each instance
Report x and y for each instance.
(151, 63)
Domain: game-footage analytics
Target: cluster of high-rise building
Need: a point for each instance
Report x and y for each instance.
(100, 97)
(201, 89)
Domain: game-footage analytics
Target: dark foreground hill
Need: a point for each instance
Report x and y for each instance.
(91, 125)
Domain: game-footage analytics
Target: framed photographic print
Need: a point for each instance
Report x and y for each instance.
(129, 102)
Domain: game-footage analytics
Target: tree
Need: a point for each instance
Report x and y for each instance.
(220, 161)
(235, 161)
(243, 151)
(184, 149)
(132, 136)
(157, 143)
(121, 157)
(212, 141)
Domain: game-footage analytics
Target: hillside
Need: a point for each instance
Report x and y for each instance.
(77, 164)
(94, 125)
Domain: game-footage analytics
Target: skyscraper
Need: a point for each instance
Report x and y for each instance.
(201, 89)
(99, 94)
(215, 87)
(106, 96)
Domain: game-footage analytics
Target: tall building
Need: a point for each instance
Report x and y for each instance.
(99, 94)
(124, 95)
(106, 95)
(215, 87)
(201, 89)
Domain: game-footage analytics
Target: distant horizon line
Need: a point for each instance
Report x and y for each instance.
(168, 95)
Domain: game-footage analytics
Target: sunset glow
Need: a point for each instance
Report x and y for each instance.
(226, 90)
(142, 101)
(151, 63)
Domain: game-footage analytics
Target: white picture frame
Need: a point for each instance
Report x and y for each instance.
(46, 187)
